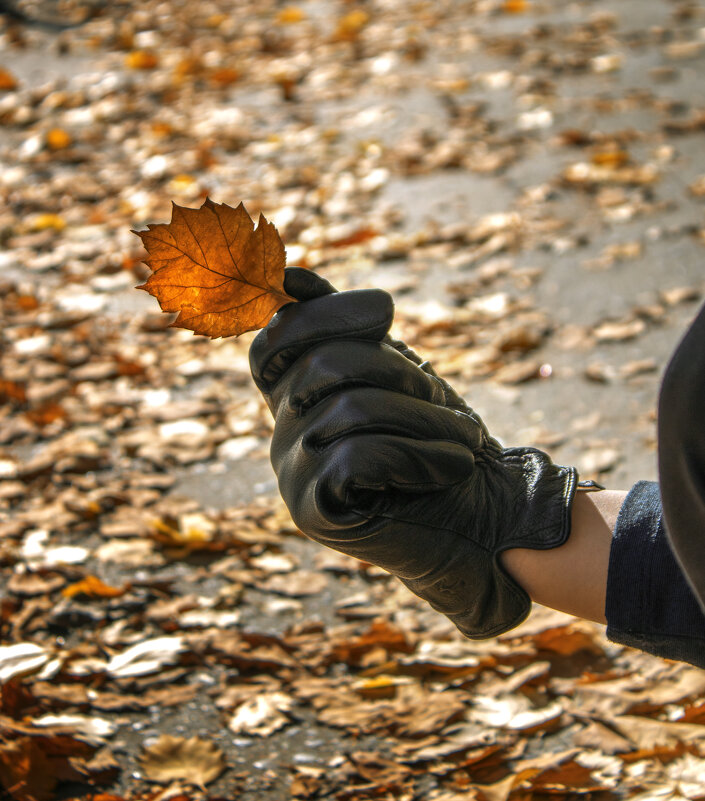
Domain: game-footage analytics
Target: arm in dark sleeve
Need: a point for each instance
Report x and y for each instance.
(650, 604)
(681, 453)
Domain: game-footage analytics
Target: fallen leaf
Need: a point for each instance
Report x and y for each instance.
(212, 266)
(91, 727)
(141, 60)
(8, 82)
(585, 174)
(681, 294)
(194, 760)
(21, 659)
(612, 157)
(689, 773)
(380, 635)
(13, 392)
(92, 587)
(58, 139)
(224, 76)
(518, 372)
(350, 25)
(514, 712)
(33, 584)
(649, 734)
(381, 686)
(262, 715)
(146, 657)
(289, 15)
(515, 6)
(16, 698)
(619, 331)
(25, 771)
(129, 553)
(375, 768)
(697, 188)
(598, 736)
(295, 585)
(48, 221)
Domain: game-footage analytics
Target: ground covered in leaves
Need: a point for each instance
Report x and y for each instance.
(528, 180)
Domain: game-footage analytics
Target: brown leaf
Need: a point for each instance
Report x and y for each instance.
(172, 758)
(15, 698)
(567, 640)
(380, 635)
(11, 391)
(212, 266)
(8, 82)
(25, 771)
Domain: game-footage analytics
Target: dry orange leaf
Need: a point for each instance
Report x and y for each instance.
(58, 139)
(93, 587)
(515, 6)
(212, 266)
(141, 60)
(43, 222)
(8, 82)
(290, 15)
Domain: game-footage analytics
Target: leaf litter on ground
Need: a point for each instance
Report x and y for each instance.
(126, 600)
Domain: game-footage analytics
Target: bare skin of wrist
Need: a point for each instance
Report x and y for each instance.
(573, 577)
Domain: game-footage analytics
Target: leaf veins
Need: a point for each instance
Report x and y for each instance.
(211, 265)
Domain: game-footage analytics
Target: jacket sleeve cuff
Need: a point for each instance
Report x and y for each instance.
(649, 603)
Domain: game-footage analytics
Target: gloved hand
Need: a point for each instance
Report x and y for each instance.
(379, 458)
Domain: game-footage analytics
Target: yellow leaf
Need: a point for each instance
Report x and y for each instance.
(382, 686)
(515, 6)
(350, 26)
(58, 139)
(162, 130)
(43, 221)
(289, 15)
(610, 158)
(141, 60)
(182, 183)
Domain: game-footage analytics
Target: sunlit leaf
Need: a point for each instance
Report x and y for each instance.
(92, 587)
(58, 139)
(211, 265)
(289, 15)
(141, 60)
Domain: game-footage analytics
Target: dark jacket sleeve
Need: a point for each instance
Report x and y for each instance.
(681, 453)
(650, 604)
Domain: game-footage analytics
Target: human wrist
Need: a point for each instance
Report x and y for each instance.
(572, 577)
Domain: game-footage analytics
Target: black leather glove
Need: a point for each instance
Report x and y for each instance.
(379, 458)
